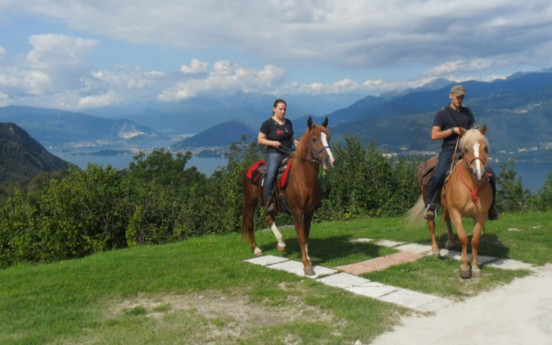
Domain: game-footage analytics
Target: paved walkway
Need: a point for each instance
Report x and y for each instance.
(519, 313)
(346, 277)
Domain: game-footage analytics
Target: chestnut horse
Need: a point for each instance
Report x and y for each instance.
(302, 193)
(466, 193)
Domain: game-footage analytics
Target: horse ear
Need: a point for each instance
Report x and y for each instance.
(309, 122)
(325, 123)
(483, 130)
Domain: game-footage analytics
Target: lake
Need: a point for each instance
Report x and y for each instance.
(533, 174)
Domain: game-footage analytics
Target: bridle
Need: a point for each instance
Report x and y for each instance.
(316, 153)
(474, 191)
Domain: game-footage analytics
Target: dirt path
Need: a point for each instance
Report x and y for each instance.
(519, 313)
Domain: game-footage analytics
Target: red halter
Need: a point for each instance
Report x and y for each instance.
(474, 191)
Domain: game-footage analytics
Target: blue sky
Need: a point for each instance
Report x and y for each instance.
(77, 55)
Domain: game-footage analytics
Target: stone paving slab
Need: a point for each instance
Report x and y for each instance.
(389, 243)
(296, 268)
(343, 280)
(415, 300)
(266, 260)
(415, 248)
(380, 263)
(362, 240)
(509, 264)
(372, 290)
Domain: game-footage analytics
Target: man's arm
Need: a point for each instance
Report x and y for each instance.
(438, 134)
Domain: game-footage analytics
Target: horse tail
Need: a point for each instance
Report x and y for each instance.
(248, 208)
(414, 216)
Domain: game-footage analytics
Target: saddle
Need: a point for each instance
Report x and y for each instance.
(424, 171)
(257, 173)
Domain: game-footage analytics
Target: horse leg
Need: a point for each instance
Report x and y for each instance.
(307, 221)
(450, 239)
(475, 246)
(249, 204)
(302, 239)
(463, 238)
(434, 246)
(248, 228)
(279, 238)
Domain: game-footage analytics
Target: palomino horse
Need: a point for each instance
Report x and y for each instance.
(302, 193)
(466, 193)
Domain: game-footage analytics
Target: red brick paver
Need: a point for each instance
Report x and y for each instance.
(380, 263)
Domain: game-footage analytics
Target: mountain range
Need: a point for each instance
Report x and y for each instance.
(22, 157)
(515, 109)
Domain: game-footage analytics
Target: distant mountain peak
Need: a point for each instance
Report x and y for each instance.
(22, 157)
(222, 134)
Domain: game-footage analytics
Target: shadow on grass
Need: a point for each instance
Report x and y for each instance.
(332, 249)
(339, 250)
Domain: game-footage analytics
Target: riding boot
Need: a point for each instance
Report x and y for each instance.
(493, 212)
(270, 207)
(429, 212)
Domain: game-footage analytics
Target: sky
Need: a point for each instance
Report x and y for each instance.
(82, 54)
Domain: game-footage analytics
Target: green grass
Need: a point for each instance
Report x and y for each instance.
(201, 291)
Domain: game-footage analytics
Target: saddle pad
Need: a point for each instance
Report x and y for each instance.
(255, 174)
(258, 170)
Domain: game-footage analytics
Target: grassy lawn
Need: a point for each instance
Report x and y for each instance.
(200, 291)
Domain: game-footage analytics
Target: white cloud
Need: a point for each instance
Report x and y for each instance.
(195, 67)
(229, 40)
(225, 77)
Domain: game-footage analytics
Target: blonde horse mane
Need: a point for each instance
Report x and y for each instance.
(471, 136)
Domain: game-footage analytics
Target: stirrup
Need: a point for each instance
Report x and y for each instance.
(270, 207)
(429, 212)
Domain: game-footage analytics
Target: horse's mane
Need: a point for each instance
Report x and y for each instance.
(471, 136)
(301, 150)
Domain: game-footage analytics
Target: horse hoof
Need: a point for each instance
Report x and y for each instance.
(450, 245)
(465, 273)
(308, 271)
(257, 251)
(476, 273)
(282, 248)
(436, 254)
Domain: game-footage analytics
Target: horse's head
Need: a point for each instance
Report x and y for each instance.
(319, 142)
(475, 149)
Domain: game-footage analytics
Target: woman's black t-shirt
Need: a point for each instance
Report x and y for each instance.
(282, 133)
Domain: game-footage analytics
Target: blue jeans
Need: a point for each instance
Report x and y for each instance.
(443, 165)
(272, 161)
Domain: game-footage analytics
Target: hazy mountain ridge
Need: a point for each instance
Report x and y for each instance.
(22, 157)
(515, 109)
(54, 127)
(219, 135)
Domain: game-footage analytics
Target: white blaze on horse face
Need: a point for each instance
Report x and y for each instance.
(324, 139)
(477, 161)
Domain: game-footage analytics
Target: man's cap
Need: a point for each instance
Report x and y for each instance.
(458, 90)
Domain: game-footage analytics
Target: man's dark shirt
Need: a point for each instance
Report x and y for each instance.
(445, 120)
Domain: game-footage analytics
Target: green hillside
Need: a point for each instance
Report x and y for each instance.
(22, 157)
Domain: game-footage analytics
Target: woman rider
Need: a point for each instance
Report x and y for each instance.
(276, 134)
